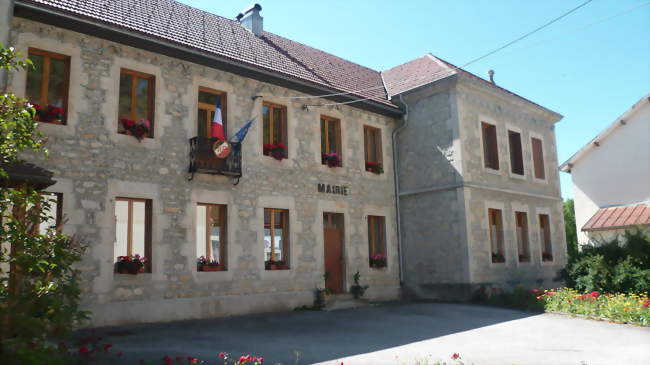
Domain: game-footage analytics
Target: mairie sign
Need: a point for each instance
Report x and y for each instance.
(333, 189)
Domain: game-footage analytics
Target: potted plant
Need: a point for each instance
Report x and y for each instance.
(378, 260)
(203, 264)
(498, 258)
(130, 264)
(524, 258)
(357, 289)
(546, 256)
(139, 130)
(49, 113)
(275, 150)
(274, 265)
(374, 167)
(332, 159)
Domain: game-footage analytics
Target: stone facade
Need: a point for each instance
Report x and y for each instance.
(93, 165)
(444, 185)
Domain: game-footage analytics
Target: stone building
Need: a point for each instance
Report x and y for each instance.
(130, 94)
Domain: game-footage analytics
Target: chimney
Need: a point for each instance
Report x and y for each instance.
(491, 74)
(252, 20)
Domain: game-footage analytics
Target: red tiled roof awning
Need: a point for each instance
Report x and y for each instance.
(619, 217)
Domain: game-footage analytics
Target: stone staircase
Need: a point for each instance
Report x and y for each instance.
(343, 301)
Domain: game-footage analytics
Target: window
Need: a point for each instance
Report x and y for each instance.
(521, 220)
(47, 85)
(377, 240)
(490, 147)
(133, 228)
(330, 146)
(545, 237)
(276, 238)
(55, 212)
(210, 102)
(275, 130)
(136, 103)
(372, 149)
(538, 158)
(516, 153)
(211, 238)
(496, 235)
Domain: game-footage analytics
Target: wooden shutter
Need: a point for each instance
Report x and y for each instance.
(490, 148)
(538, 158)
(516, 157)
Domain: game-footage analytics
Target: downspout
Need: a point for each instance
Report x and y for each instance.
(405, 119)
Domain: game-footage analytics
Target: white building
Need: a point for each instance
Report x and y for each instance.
(611, 176)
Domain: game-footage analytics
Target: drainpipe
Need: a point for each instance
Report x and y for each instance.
(405, 119)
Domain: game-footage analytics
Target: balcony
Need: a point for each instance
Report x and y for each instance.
(203, 160)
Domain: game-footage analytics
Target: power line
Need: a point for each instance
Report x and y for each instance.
(446, 70)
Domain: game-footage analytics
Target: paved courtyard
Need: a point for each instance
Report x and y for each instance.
(396, 334)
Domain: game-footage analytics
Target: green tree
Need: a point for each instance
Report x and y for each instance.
(570, 229)
(39, 286)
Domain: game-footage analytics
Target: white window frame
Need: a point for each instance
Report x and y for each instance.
(504, 222)
(510, 127)
(532, 135)
(540, 245)
(523, 209)
(484, 119)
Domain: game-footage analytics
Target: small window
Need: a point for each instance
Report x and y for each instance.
(275, 130)
(523, 246)
(136, 104)
(496, 235)
(330, 146)
(212, 110)
(372, 149)
(211, 222)
(54, 213)
(133, 229)
(538, 158)
(490, 147)
(545, 237)
(377, 241)
(516, 153)
(276, 238)
(47, 85)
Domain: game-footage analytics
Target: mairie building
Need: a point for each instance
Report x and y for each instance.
(423, 180)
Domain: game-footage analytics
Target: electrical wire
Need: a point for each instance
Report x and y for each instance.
(452, 69)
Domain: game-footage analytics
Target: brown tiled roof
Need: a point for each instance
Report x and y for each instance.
(190, 27)
(619, 217)
(427, 69)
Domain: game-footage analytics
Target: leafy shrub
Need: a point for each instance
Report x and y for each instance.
(615, 266)
(518, 298)
(627, 308)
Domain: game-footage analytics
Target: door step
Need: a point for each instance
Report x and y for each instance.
(343, 301)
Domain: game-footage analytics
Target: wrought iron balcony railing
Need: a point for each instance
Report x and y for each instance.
(203, 159)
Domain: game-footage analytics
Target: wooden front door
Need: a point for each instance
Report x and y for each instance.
(333, 227)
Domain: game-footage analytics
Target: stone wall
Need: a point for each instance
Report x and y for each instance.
(93, 164)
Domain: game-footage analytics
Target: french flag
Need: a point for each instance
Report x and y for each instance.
(216, 130)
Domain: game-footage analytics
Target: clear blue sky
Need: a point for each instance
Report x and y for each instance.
(590, 73)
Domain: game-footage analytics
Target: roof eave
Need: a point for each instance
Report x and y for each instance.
(595, 142)
(131, 38)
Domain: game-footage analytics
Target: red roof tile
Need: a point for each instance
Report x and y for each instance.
(619, 217)
(191, 27)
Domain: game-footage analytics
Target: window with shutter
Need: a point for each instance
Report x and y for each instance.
(490, 147)
(495, 223)
(516, 153)
(538, 158)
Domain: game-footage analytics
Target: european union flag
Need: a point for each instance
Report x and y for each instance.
(241, 134)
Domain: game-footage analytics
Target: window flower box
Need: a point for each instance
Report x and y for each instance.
(275, 265)
(374, 167)
(49, 114)
(547, 256)
(332, 159)
(130, 264)
(203, 264)
(378, 261)
(276, 150)
(498, 258)
(524, 258)
(139, 130)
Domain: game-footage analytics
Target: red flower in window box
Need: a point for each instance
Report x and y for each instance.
(277, 150)
(49, 114)
(332, 159)
(130, 264)
(139, 130)
(374, 167)
(274, 265)
(378, 260)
